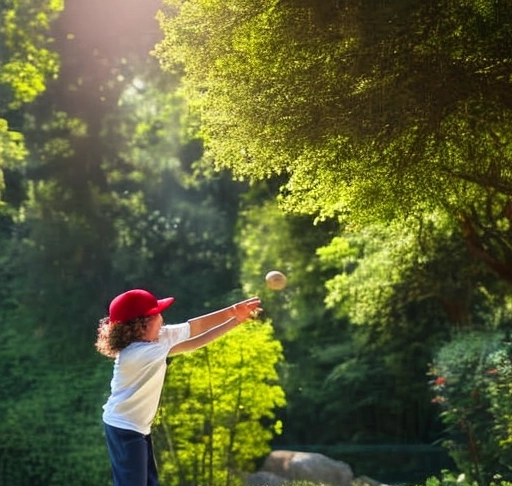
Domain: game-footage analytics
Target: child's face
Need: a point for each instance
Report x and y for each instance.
(153, 328)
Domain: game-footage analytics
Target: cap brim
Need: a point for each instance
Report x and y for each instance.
(162, 305)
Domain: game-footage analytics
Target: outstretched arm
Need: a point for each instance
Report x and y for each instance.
(203, 339)
(205, 329)
(241, 311)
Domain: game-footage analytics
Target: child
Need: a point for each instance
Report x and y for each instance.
(134, 334)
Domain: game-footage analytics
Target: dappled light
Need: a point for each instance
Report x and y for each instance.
(362, 149)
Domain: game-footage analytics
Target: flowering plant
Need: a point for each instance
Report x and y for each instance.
(471, 381)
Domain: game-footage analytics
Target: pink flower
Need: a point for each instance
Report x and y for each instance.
(440, 381)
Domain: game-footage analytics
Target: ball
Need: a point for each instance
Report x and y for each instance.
(275, 280)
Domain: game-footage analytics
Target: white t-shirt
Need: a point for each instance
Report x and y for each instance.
(139, 373)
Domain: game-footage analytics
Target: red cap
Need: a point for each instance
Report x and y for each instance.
(136, 303)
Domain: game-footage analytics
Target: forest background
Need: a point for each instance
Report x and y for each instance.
(363, 148)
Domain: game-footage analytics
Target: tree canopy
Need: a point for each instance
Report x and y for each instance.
(27, 64)
(367, 110)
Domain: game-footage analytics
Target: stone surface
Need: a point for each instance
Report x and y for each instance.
(308, 466)
(366, 481)
(264, 478)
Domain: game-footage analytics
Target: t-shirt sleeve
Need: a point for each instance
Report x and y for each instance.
(173, 334)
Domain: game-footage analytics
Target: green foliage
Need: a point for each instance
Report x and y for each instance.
(97, 212)
(384, 270)
(471, 382)
(390, 300)
(12, 149)
(331, 361)
(364, 110)
(25, 39)
(51, 429)
(450, 478)
(51, 432)
(49, 408)
(405, 294)
(12, 152)
(358, 106)
(26, 65)
(269, 239)
(377, 126)
(218, 408)
(149, 121)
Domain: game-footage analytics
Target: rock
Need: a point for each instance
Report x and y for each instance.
(366, 481)
(308, 466)
(264, 478)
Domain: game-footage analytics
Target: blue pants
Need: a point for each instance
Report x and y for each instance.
(131, 457)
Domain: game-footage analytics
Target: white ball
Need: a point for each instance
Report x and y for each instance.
(275, 280)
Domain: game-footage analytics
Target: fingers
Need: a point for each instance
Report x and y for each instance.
(255, 312)
(253, 301)
(248, 309)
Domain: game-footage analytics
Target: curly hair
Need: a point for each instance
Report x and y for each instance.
(112, 338)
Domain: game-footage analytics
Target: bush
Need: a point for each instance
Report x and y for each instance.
(472, 385)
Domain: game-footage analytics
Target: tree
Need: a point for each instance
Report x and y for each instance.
(370, 110)
(362, 317)
(219, 405)
(27, 65)
(394, 119)
(94, 213)
(405, 298)
(25, 47)
(267, 240)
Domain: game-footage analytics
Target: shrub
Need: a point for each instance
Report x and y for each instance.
(471, 380)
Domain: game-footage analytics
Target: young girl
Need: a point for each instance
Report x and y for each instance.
(134, 334)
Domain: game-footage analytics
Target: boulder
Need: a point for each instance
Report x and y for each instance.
(264, 478)
(366, 481)
(308, 466)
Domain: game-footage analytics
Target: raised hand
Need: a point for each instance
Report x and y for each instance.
(247, 309)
